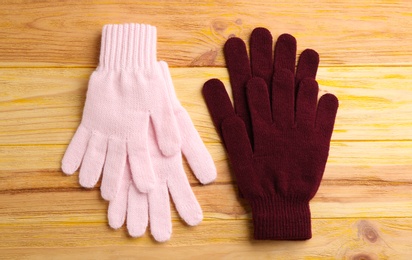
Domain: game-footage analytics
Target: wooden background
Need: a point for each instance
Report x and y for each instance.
(363, 209)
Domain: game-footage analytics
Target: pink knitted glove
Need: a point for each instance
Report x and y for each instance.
(126, 95)
(170, 177)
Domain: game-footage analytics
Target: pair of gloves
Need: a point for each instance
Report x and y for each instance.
(134, 131)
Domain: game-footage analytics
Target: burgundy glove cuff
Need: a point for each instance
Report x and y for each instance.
(278, 219)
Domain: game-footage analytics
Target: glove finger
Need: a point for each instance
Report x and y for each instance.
(139, 157)
(218, 102)
(307, 65)
(159, 210)
(326, 114)
(114, 168)
(167, 135)
(164, 122)
(199, 158)
(118, 205)
(75, 151)
(261, 56)
(137, 212)
(93, 161)
(240, 152)
(283, 99)
(169, 85)
(238, 66)
(258, 100)
(306, 103)
(285, 53)
(283, 86)
(192, 145)
(183, 197)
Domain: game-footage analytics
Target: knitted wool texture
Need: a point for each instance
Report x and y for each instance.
(137, 208)
(277, 135)
(126, 93)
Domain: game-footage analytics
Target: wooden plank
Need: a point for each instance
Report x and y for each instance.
(363, 208)
(354, 184)
(385, 164)
(350, 248)
(332, 239)
(67, 33)
(330, 202)
(44, 106)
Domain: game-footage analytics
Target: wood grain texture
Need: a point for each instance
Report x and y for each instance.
(217, 238)
(66, 33)
(375, 102)
(363, 209)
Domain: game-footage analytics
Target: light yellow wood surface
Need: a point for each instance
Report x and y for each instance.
(363, 209)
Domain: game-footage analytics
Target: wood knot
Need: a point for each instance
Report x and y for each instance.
(361, 256)
(206, 59)
(367, 231)
(226, 28)
(219, 25)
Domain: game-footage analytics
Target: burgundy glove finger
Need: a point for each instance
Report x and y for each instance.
(306, 104)
(261, 56)
(283, 84)
(240, 153)
(238, 66)
(285, 53)
(326, 114)
(307, 65)
(258, 101)
(283, 99)
(218, 102)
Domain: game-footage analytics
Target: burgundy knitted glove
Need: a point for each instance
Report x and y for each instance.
(278, 134)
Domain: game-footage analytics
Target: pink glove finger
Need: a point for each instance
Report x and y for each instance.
(192, 145)
(118, 206)
(182, 194)
(164, 120)
(114, 168)
(167, 134)
(199, 158)
(93, 161)
(140, 160)
(137, 212)
(159, 210)
(75, 151)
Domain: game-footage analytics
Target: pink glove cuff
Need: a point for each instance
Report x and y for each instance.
(128, 46)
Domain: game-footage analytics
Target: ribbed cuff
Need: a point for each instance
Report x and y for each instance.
(128, 46)
(280, 219)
